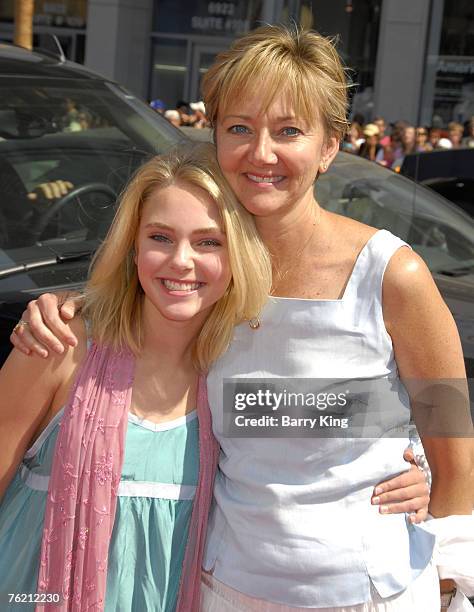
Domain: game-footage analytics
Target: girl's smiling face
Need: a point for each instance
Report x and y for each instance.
(271, 158)
(181, 253)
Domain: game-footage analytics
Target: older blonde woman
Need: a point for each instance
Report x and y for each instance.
(293, 526)
(350, 302)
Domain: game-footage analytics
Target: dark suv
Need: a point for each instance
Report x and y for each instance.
(61, 122)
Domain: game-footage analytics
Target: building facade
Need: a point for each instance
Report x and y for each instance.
(65, 20)
(408, 59)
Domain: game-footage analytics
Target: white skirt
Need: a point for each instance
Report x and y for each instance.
(422, 594)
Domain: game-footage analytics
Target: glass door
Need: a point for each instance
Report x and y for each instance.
(169, 70)
(202, 58)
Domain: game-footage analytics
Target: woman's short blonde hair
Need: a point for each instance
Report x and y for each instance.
(275, 60)
(113, 296)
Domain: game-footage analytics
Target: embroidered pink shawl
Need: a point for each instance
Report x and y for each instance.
(82, 494)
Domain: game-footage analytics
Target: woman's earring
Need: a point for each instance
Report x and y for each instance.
(324, 166)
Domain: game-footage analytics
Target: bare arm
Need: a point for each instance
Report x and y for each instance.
(428, 349)
(31, 391)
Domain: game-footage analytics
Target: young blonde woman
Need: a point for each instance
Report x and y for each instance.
(97, 484)
(295, 524)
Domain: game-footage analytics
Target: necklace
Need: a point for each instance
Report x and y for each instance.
(254, 323)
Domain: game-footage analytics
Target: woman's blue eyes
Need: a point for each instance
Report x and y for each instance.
(242, 129)
(238, 129)
(291, 131)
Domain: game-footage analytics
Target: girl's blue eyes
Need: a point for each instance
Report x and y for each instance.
(209, 242)
(159, 238)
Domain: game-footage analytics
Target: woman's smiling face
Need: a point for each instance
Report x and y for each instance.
(271, 158)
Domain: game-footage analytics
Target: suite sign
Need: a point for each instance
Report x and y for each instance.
(221, 17)
(456, 64)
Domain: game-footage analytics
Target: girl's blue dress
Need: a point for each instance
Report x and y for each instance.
(159, 479)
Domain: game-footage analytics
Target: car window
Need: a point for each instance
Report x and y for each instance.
(365, 191)
(88, 135)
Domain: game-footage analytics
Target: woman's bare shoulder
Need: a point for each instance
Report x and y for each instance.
(353, 234)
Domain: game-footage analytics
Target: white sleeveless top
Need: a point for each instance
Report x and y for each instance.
(292, 521)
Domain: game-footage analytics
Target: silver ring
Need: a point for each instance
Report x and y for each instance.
(21, 323)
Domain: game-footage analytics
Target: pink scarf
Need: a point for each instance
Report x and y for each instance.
(82, 494)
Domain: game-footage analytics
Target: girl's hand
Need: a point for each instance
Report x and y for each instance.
(407, 492)
(44, 325)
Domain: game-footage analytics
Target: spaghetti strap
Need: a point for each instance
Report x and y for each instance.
(369, 269)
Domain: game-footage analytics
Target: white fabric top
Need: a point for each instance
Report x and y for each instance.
(454, 549)
(292, 521)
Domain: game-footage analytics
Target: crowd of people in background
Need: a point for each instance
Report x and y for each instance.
(376, 142)
(188, 114)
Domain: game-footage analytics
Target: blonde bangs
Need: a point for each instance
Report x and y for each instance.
(273, 61)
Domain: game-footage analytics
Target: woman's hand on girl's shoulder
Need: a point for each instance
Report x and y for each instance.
(46, 325)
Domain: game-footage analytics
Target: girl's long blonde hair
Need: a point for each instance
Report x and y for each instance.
(113, 295)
